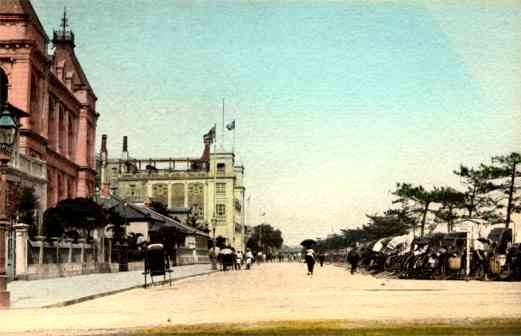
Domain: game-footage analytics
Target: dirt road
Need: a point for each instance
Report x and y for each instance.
(276, 292)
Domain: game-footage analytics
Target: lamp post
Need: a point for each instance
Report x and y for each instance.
(214, 223)
(261, 245)
(8, 130)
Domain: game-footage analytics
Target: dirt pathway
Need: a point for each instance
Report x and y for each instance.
(275, 292)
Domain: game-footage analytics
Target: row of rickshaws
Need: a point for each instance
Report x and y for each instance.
(442, 256)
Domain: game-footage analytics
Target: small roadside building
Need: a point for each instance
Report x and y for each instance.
(184, 244)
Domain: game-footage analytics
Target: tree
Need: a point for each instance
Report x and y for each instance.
(353, 236)
(333, 242)
(501, 176)
(420, 198)
(53, 223)
(264, 236)
(393, 222)
(451, 200)
(26, 205)
(78, 214)
(117, 225)
(476, 201)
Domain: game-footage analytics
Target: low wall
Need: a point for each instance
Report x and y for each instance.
(43, 260)
(188, 256)
(136, 266)
(47, 271)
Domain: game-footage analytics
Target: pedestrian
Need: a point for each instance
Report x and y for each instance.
(259, 257)
(213, 257)
(310, 260)
(321, 258)
(227, 258)
(249, 258)
(238, 260)
(353, 258)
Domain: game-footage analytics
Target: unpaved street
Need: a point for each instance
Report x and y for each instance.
(277, 292)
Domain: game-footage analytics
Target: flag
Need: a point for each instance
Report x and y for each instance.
(231, 125)
(210, 136)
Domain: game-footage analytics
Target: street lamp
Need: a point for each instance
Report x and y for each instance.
(214, 223)
(8, 130)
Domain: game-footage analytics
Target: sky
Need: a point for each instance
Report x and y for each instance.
(334, 101)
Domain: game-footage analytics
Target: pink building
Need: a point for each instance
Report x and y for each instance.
(53, 89)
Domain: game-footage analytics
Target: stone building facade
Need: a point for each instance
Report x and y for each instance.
(54, 91)
(211, 186)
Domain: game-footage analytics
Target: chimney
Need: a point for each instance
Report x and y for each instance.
(103, 151)
(105, 193)
(104, 143)
(125, 148)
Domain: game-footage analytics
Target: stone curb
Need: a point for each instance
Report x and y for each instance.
(99, 295)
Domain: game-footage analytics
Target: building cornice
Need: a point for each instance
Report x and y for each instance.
(58, 157)
(59, 86)
(33, 135)
(171, 178)
(87, 169)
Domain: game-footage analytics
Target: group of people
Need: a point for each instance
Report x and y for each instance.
(228, 258)
(353, 258)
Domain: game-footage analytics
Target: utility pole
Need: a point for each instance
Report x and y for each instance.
(261, 245)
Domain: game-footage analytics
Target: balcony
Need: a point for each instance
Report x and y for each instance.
(29, 165)
(163, 174)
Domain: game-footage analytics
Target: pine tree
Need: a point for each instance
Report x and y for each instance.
(501, 177)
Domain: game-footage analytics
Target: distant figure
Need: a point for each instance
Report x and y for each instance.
(213, 257)
(238, 260)
(310, 260)
(353, 258)
(249, 258)
(227, 258)
(321, 258)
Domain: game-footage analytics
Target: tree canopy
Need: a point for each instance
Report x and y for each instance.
(77, 214)
(489, 193)
(265, 237)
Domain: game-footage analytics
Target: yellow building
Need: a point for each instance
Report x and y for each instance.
(211, 186)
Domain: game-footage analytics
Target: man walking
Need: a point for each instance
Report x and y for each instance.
(353, 258)
(310, 260)
(321, 258)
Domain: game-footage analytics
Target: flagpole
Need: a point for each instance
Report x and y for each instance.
(223, 127)
(214, 183)
(234, 127)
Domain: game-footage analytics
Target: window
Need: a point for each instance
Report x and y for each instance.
(220, 168)
(221, 188)
(4, 85)
(220, 210)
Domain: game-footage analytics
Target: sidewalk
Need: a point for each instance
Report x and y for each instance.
(68, 290)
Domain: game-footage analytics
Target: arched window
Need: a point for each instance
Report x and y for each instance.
(4, 83)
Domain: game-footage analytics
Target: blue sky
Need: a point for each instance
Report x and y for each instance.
(335, 101)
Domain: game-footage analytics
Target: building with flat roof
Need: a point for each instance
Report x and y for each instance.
(211, 186)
